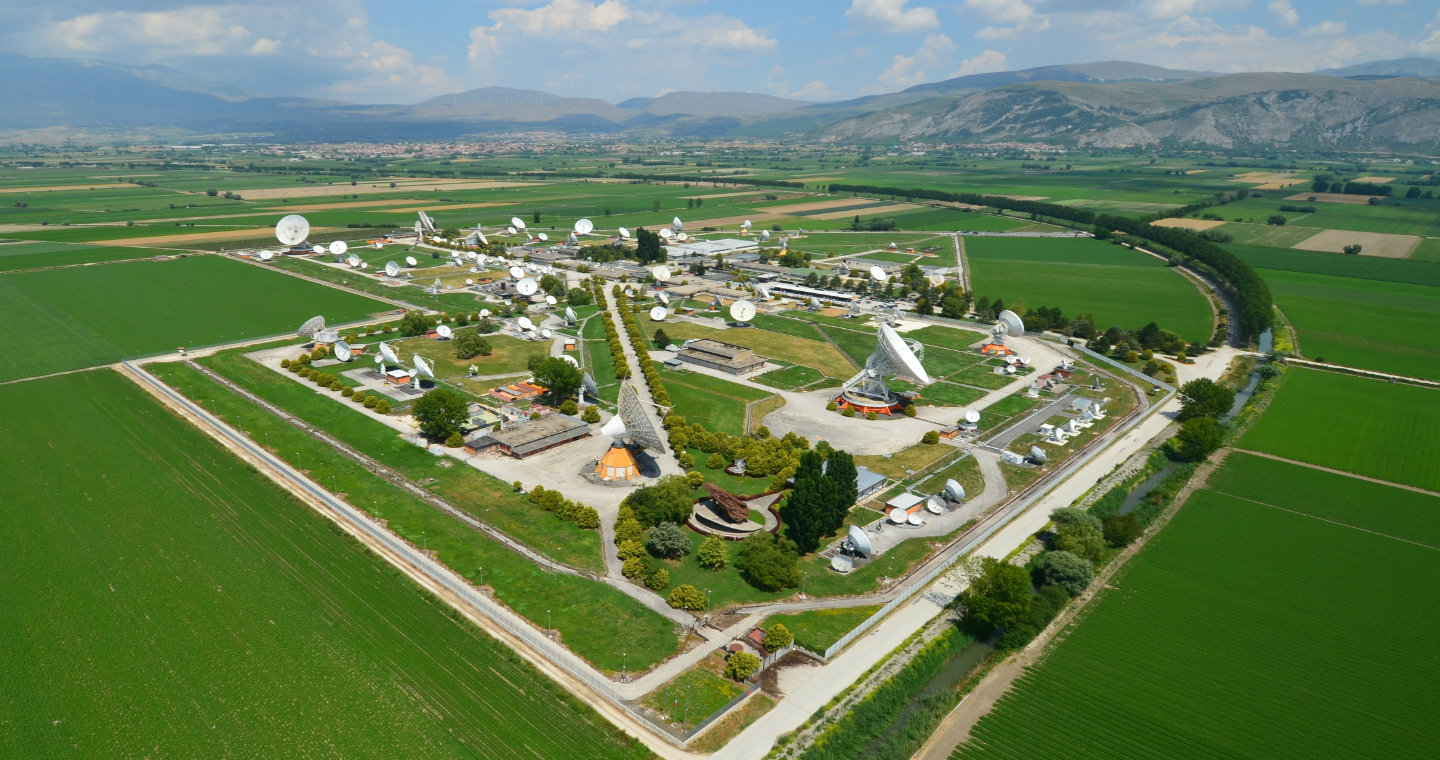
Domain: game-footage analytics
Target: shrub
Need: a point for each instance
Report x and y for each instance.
(347, 391)
(371, 401)
(872, 416)
(587, 518)
(778, 637)
(284, 364)
(715, 461)
(1122, 530)
(569, 407)
(630, 549)
(1072, 573)
(338, 386)
(382, 405)
(768, 562)
(658, 579)
(591, 414)
(687, 597)
(930, 437)
(628, 529)
(455, 440)
(849, 411)
(667, 540)
(694, 478)
(910, 410)
(832, 406)
(686, 459)
(634, 568)
(741, 666)
(359, 398)
(713, 554)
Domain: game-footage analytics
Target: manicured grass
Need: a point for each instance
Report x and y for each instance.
(18, 256)
(508, 355)
(1385, 326)
(789, 378)
(948, 394)
(162, 598)
(965, 471)
(952, 338)
(589, 616)
(1288, 669)
(1368, 427)
(913, 459)
(1115, 284)
(714, 403)
(816, 630)
(982, 376)
(1005, 410)
(695, 694)
(65, 319)
(808, 352)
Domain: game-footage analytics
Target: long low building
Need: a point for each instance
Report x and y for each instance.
(725, 357)
(806, 293)
(531, 437)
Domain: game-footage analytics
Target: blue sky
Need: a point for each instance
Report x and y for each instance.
(373, 51)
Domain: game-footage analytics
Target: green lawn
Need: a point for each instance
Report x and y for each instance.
(18, 256)
(1115, 284)
(712, 402)
(63, 319)
(982, 376)
(816, 630)
(162, 599)
(1368, 427)
(695, 694)
(949, 394)
(789, 378)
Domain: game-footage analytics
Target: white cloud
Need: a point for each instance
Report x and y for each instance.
(891, 16)
(192, 30)
(1016, 16)
(1373, 3)
(1284, 11)
(1325, 29)
(1172, 8)
(568, 17)
(989, 60)
(906, 70)
(265, 46)
(1430, 45)
(1202, 44)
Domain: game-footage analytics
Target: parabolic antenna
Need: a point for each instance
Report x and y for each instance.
(411, 262)
(543, 237)
(878, 274)
(1025, 360)
(570, 317)
(587, 383)
(389, 353)
(584, 227)
(517, 272)
(899, 358)
(527, 286)
(934, 506)
(667, 233)
(742, 311)
(658, 313)
(339, 247)
(624, 233)
(266, 255)
(663, 298)
(637, 425)
(484, 313)
(954, 491)
(342, 351)
(551, 300)
(1011, 359)
(546, 334)
(517, 222)
(292, 230)
(615, 428)
(364, 265)
(972, 416)
(859, 540)
(764, 234)
(469, 281)
(510, 230)
(392, 269)
(445, 332)
(379, 245)
(745, 225)
(662, 274)
(312, 325)
(317, 249)
(571, 239)
(1011, 321)
(677, 224)
(424, 366)
(1038, 454)
(916, 520)
(899, 516)
(525, 324)
(682, 236)
(841, 564)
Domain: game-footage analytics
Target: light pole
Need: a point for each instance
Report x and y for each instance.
(707, 601)
(623, 669)
(425, 541)
(547, 623)
(481, 571)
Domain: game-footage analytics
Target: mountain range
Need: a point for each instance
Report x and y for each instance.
(1377, 105)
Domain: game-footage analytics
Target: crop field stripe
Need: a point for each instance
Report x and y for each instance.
(1328, 520)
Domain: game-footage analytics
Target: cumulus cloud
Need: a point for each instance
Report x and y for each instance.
(1325, 29)
(1284, 11)
(989, 60)
(1430, 45)
(891, 16)
(907, 70)
(1373, 3)
(1010, 18)
(562, 17)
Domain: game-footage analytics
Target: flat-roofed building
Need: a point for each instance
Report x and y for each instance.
(531, 437)
(732, 359)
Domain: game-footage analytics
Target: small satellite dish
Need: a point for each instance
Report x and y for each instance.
(546, 334)
(527, 286)
(550, 300)
(266, 255)
(663, 298)
(342, 351)
(411, 262)
(389, 353)
(571, 239)
(934, 506)
(658, 313)
(445, 332)
(662, 274)
(667, 233)
(764, 234)
(392, 269)
(841, 564)
(517, 272)
(742, 311)
(517, 222)
(859, 540)
(364, 265)
(317, 249)
(570, 317)
(682, 237)
(584, 227)
(1010, 359)
(469, 281)
(972, 416)
(954, 491)
(379, 245)
(916, 520)
(531, 334)
(292, 230)
(543, 237)
(525, 324)
(745, 225)
(899, 516)
(1038, 454)
(878, 274)
(510, 230)
(677, 224)
(339, 247)
(1024, 360)
(624, 233)
(484, 313)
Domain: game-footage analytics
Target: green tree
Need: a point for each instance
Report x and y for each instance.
(1198, 438)
(667, 540)
(647, 247)
(440, 413)
(1277, 220)
(468, 344)
(661, 339)
(579, 297)
(560, 378)
(414, 323)
(1068, 571)
(1204, 398)
(806, 515)
(382, 405)
(1122, 530)
(455, 440)
(667, 500)
(1083, 540)
(715, 461)
(930, 437)
(694, 479)
(741, 666)
(591, 414)
(999, 596)
(568, 406)
(713, 554)
(1073, 516)
(768, 562)
(687, 597)
(840, 470)
(778, 636)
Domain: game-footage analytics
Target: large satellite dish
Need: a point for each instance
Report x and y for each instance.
(972, 416)
(445, 332)
(517, 272)
(411, 262)
(899, 516)
(683, 237)
(584, 227)
(1038, 454)
(570, 360)
(312, 325)
(1014, 327)
(342, 351)
(527, 286)
(900, 358)
(510, 230)
(667, 233)
(546, 334)
(266, 255)
(551, 300)
(292, 230)
(339, 247)
(742, 311)
(570, 317)
(637, 425)
(677, 224)
(543, 237)
(587, 384)
(859, 540)
(392, 269)
(663, 298)
(658, 313)
(624, 233)
(662, 274)
(354, 260)
(954, 491)
(317, 249)
(745, 225)
(423, 366)
(878, 274)
(389, 353)
(517, 222)
(934, 506)
(525, 324)
(764, 234)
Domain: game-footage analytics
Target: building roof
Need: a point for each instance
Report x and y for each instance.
(532, 435)
(720, 353)
(904, 501)
(865, 478)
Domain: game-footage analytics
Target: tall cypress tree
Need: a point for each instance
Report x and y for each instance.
(840, 470)
(804, 515)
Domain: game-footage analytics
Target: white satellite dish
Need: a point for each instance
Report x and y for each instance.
(682, 236)
(392, 269)
(411, 262)
(469, 281)
(527, 286)
(859, 540)
(624, 233)
(878, 274)
(484, 313)
(742, 311)
(571, 359)
(916, 520)
(1014, 327)
(423, 369)
(339, 247)
(658, 313)
(266, 255)
(389, 353)
(531, 334)
(546, 334)
(842, 564)
(445, 332)
(550, 300)
(342, 351)
(292, 230)
(954, 491)
(1038, 454)
(510, 230)
(764, 234)
(934, 506)
(667, 233)
(517, 222)
(1010, 359)
(570, 317)
(634, 422)
(311, 326)
(571, 239)
(364, 265)
(899, 516)
(317, 249)
(972, 416)
(525, 324)
(745, 225)
(662, 274)
(899, 357)
(1025, 360)
(517, 272)
(677, 224)
(584, 227)
(663, 298)
(379, 245)
(543, 237)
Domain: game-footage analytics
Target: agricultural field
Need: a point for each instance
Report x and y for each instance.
(197, 610)
(18, 256)
(64, 319)
(1368, 427)
(1115, 284)
(1232, 583)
